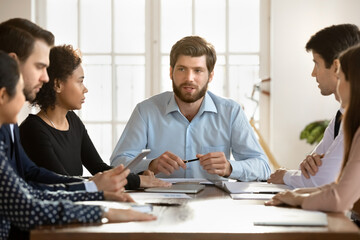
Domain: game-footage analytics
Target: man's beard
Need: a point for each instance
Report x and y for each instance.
(188, 98)
(29, 96)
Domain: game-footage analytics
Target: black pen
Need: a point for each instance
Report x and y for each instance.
(164, 204)
(265, 192)
(191, 160)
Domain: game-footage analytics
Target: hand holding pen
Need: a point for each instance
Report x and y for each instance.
(215, 163)
(166, 163)
(191, 160)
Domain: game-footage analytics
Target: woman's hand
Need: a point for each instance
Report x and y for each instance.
(127, 215)
(287, 197)
(118, 196)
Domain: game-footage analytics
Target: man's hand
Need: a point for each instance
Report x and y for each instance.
(309, 166)
(215, 163)
(112, 180)
(166, 163)
(118, 196)
(277, 176)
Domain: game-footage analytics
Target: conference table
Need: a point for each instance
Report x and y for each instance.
(209, 214)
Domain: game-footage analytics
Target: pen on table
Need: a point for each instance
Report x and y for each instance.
(191, 160)
(164, 204)
(265, 192)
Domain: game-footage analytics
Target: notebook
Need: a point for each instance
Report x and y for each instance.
(178, 188)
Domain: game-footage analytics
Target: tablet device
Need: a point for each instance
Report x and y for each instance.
(178, 188)
(137, 159)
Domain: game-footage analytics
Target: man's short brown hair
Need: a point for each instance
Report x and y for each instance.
(194, 46)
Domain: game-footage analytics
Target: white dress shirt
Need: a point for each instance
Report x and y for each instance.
(331, 162)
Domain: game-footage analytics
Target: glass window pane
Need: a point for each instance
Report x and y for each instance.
(130, 85)
(242, 78)
(98, 102)
(217, 85)
(166, 82)
(100, 135)
(95, 26)
(129, 26)
(244, 25)
(244, 59)
(94, 60)
(176, 22)
(64, 28)
(119, 130)
(209, 27)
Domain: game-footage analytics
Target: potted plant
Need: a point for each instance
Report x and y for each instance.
(314, 132)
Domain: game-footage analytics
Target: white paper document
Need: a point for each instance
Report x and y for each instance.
(251, 196)
(138, 196)
(187, 180)
(145, 208)
(253, 187)
(281, 216)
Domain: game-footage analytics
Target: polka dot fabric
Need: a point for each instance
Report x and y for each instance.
(25, 207)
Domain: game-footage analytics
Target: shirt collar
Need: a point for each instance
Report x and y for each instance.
(207, 105)
(342, 110)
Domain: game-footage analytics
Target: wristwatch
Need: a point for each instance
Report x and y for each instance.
(104, 210)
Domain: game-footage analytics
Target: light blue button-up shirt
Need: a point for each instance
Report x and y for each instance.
(219, 126)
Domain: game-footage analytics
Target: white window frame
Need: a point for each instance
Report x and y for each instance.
(153, 53)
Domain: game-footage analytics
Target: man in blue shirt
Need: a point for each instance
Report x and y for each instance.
(191, 122)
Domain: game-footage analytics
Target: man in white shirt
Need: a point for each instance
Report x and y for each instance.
(323, 165)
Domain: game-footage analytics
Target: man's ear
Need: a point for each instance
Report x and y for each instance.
(211, 76)
(14, 56)
(336, 65)
(171, 72)
(3, 96)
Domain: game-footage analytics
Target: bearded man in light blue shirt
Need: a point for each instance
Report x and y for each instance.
(191, 122)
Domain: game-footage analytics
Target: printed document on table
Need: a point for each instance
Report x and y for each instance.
(138, 196)
(145, 208)
(285, 216)
(251, 196)
(187, 180)
(254, 187)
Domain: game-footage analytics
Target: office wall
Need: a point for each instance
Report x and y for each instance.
(295, 97)
(15, 8)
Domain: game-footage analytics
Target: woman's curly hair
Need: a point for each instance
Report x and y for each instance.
(63, 62)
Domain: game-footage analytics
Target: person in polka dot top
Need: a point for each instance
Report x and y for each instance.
(25, 207)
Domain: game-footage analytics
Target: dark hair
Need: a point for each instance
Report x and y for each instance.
(331, 41)
(350, 65)
(15, 40)
(194, 46)
(35, 30)
(9, 73)
(64, 60)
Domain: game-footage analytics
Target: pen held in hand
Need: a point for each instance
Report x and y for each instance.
(191, 160)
